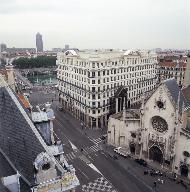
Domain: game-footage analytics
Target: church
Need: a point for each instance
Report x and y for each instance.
(159, 129)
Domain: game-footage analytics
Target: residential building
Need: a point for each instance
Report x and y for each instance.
(92, 84)
(173, 66)
(39, 43)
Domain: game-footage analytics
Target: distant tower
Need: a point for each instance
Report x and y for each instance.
(66, 47)
(10, 74)
(3, 47)
(39, 42)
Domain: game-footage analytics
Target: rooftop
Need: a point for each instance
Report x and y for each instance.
(96, 55)
(131, 114)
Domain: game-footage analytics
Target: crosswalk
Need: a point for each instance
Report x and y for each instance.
(70, 156)
(92, 149)
(86, 151)
(97, 141)
(99, 185)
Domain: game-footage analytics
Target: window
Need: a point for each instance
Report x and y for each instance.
(93, 74)
(93, 96)
(98, 73)
(93, 112)
(93, 89)
(93, 81)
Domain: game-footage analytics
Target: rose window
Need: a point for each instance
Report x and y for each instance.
(159, 124)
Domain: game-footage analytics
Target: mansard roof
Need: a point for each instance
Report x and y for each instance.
(19, 140)
(176, 93)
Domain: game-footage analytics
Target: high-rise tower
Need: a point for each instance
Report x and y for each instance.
(39, 42)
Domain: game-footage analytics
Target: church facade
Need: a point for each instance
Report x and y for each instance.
(157, 131)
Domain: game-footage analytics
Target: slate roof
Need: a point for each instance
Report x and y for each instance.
(174, 90)
(5, 170)
(18, 139)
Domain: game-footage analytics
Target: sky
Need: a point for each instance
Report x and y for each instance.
(118, 24)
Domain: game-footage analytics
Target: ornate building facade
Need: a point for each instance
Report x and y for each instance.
(158, 131)
(90, 81)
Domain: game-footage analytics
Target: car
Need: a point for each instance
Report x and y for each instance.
(117, 149)
(121, 152)
(60, 108)
(103, 137)
(115, 157)
(141, 162)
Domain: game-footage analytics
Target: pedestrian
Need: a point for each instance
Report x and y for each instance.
(155, 184)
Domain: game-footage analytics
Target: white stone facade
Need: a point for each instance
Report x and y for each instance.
(159, 131)
(87, 81)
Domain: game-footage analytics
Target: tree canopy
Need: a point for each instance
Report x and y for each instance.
(37, 62)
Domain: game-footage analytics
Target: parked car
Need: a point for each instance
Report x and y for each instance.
(115, 157)
(60, 108)
(103, 137)
(121, 152)
(141, 162)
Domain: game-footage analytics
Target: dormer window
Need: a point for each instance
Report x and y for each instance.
(46, 166)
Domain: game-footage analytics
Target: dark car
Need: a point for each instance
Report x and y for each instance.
(115, 157)
(141, 162)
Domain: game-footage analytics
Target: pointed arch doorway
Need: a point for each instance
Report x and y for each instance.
(156, 154)
(184, 170)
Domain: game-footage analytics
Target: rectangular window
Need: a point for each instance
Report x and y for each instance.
(93, 74)
(93, 81)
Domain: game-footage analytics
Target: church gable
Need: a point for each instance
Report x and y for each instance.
(160, 100)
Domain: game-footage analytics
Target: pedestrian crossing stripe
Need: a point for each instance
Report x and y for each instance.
(97, 141)
(87, 150)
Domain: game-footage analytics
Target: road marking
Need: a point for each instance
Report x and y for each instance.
(104, 154)
(90, 157)
(94, 168)
(83, 173)
(140, 180)
(73, 146)
(85, 159)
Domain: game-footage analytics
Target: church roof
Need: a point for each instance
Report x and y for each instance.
(186, 93)
(175, 92)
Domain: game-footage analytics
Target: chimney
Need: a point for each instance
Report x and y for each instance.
(186, 82)
(10, 75)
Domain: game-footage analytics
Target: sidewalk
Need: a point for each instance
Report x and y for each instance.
(137, 171)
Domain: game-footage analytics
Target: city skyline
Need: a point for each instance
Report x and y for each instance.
(96, 24)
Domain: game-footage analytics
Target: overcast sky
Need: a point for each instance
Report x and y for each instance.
(96, 23)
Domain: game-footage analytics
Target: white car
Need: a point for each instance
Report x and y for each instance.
(121, 152)
(117, 149)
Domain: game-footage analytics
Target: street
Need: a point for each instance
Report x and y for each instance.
(93, 160)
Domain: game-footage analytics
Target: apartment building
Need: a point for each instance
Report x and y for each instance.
(173, 66)
(89, 81)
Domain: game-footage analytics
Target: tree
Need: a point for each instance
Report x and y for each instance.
(40, 61)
